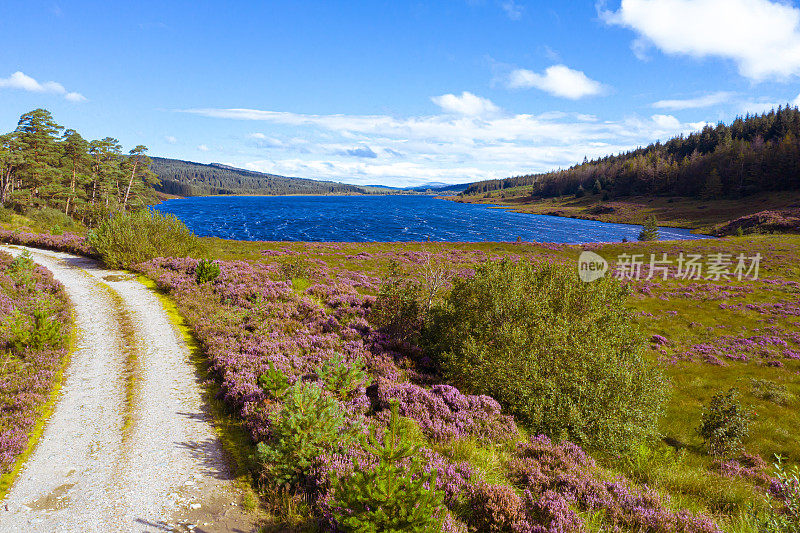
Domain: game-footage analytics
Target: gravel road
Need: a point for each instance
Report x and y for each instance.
(128, 446)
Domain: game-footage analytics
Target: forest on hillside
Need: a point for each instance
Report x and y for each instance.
(755, 153)
(44, 165)
(184, 178)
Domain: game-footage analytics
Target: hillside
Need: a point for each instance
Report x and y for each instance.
(185, 178)
(700, 181)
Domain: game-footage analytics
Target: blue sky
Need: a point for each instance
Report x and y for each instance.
(395, 92)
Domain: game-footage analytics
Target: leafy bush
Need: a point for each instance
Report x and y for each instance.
(396, 310)
(341, 378)
(206, 271)
(50, 219)
(786, 488)
(562, 355)
(274, 382)
(130, 238)
(5, 215)
(725, 423)
(309, 424)
(770, 391)
(396, 496)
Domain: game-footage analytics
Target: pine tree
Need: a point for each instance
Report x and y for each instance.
(649, 230)
(38, 172)
(713, 186)
(78, 164)
(391, 497)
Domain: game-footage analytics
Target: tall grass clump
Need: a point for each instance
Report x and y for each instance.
(562, 355)
(130, 238)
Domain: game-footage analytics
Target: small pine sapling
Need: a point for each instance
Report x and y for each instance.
(309, 425)
(206, 271)
(396, 496)
(341, 378)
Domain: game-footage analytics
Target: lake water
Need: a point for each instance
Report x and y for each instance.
(384, 218)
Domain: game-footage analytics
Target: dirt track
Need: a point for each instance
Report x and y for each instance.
(129, 446)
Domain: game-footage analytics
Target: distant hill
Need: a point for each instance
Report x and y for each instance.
(185, 178)
(755, 154)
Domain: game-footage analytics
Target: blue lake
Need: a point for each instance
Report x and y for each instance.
(383, 219)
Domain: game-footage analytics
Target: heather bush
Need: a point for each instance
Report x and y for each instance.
(342, 378)
(127, 239)
(309, 424)
(397, 495)
(206, 271)
(768, 390)
(562, 355)
(497, 509)
(725, 423)
(396, 310)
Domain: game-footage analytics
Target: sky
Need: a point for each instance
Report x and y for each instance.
(395, 93)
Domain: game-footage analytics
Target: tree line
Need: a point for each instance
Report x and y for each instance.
(184, 178)
(755, 153)
(44, 165)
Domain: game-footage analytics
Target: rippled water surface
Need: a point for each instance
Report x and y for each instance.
(384, 218)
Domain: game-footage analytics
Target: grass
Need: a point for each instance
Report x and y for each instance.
(678, 465)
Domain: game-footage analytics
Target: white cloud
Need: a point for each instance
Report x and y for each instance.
(796, 101)
(171, 139)
(558, 80)
(445, 147)
(466, 104)
(513, 10)
(707, 100)
(203, 147)
(21, 81)
(761, 37)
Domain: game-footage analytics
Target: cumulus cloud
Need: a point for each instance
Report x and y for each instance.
(448, 147)
(203, 147)
(171, 139)
(558, 80)
(707, 100)
(466, 104)
(21, 81)
(760, 36)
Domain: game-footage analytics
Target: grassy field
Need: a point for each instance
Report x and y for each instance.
(693, 213)
(708, 335)
(750, 328)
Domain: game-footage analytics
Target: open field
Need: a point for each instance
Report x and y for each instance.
(295, 304)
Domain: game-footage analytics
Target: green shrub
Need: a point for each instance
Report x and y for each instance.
(785, 518)
(649, 230)
(396, 310)
(206, 271)
(130, 238)
(770, 391)
(5, 215)
(274, 382)
(51, 219)
(341, 378)
(725, 424)
(392, 497)
(562, 355)
(309, 424)
(36, 332)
